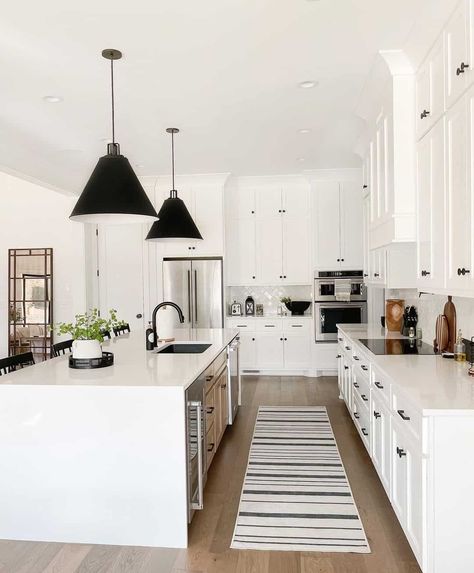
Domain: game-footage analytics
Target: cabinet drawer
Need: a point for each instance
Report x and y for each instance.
(294, 326)
(240, 323)
(362, 421)
(405, 413)
(210, 407)
(360, 362)
(361, 388)
(380, 385)
(269, 325)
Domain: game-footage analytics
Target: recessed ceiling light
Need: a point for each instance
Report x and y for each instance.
(301, 159)
(307, 84)
(305, 130)
(52, 99)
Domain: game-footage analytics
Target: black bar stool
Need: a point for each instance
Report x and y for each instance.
(13, 363)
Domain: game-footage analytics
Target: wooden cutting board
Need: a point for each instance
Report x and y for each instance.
(450, 314)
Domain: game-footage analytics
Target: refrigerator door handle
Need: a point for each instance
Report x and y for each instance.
(189, 297)
(195, 297)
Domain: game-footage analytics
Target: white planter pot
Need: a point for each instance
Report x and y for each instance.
(86, 349)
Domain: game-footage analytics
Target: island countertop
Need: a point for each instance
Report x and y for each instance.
(133, 364)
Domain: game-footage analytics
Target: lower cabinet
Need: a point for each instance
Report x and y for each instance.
(381, 441)
(217, 408)
(274, 344)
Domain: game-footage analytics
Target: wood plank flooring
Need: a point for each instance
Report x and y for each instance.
(211, 530)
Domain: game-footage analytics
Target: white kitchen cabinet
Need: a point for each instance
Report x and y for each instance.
(269, 248)
(247, 350)
(381, 441)
(270, 350)
(459, 126)
(269, 243)
(297, 350)
(338, 225)
(365, 237)
(458, 48)
(241, 253)
(431, 211)
(430, 89)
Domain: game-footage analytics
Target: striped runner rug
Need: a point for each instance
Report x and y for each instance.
(296, 496)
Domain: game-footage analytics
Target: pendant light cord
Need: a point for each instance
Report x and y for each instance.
(113, 98)
(172, 158)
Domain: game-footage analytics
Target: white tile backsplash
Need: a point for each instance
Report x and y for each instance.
(269, 296)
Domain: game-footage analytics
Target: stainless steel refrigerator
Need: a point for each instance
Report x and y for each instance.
(196, 286)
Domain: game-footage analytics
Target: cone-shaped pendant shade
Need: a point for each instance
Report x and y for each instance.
(175, 222)
(174, 219)
(113, 194)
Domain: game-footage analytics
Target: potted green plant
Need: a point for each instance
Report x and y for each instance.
(286, 300)
(87, 332)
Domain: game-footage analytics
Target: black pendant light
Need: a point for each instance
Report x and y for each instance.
(113, 193)
(174, 220)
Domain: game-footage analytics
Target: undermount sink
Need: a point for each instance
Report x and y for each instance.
(183, 348)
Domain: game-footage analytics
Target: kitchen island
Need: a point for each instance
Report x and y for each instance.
(100, 456)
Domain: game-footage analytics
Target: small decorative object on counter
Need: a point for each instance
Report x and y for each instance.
(249, 306)
(471, 357)
(394, 314)
(411, 332)
(459, 349)
(419, 334)
(259, 309)
(236, 309)
(149, 337)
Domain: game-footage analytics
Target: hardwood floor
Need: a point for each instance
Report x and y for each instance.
(211, 529)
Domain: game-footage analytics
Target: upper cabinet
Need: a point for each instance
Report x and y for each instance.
(430, 90)
(267, 231)
(338, 224)
(458, 50)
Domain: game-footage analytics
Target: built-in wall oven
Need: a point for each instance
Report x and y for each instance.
(340, 298)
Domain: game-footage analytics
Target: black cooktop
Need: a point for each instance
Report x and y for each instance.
(397, 346)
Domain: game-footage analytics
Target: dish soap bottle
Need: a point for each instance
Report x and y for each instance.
(460, 349)
(150, 338)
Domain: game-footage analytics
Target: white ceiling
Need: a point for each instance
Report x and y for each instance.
(225, 72)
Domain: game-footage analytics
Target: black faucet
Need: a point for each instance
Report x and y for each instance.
(153, 317)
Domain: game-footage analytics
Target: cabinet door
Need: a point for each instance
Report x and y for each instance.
(458, 196)
(381, 439)
(327, 232)
(365, 235)
(457, 53)
(223, 403)
(381, 168)
(437, 85)
(269, 251)
(423, 97)
(373, 186)
(297, 352)
(270, 350)
(351, 225)
(241, 252)
(414, 511)
(296, 251)
(295, 201)
(248, 350)
(121, 272)
(209, 218)
(431, 208)
(399, 475)
(268, 202)
(241, 202)
(347, 383)
(340, 372)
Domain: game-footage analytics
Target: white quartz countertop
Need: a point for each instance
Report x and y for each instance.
(436, 385)
(133, 364)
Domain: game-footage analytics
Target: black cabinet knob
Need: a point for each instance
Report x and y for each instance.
(463, 272)
(377, 415)
(286, 339)
(253, 276)
(425, 113)
(425, 273)
(364, 186)
(462, 68)
(253, 212)
(253, 339)
(376, 274)
(379, 385)
(342, 260)
(338, 260)
(366, 275)
(284, 276)
(139, 315)
(356, 416)
(401, 413)
(401, 452)
(279, 210)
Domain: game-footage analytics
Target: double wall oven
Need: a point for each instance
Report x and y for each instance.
(340, 298)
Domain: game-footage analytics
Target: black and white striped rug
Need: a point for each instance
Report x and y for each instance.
(296, 496)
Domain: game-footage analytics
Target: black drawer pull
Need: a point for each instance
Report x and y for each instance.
(364, 397)
(209, 378)
(356, 385)
(210, 447)
(224, 386)
(401, 413)
(377, 415)
(364, 367)
(346, 367)
(356, 358)
(379, 386)
(356, 415)
(210, 409)
(338, 356)
(340, 339)
(296, 326)
(365, 432)
(269, 326)
(348, 347)
(242, 325)
(401, 452)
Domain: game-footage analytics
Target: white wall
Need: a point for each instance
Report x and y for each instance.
(32, 216)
